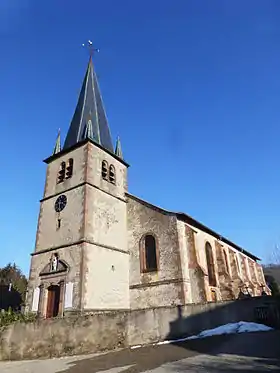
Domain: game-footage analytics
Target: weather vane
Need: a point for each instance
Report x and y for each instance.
(90, 48)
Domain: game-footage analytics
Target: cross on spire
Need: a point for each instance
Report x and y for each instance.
(90, 48)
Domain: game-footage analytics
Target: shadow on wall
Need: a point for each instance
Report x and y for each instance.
(8, 298)
(264, 310)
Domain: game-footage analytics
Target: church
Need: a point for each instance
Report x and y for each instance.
(100, 248)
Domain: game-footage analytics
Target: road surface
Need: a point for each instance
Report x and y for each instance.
(248, 352)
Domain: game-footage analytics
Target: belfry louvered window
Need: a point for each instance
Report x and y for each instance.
(61, 173)
(69, 168)
(108, 172)
(112, 174)
(65, 170)
(104, 170)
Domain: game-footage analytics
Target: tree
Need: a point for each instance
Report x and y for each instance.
(272, 271)
(272, 284)
(13, 285)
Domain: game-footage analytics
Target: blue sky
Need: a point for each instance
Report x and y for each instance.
(191, 87)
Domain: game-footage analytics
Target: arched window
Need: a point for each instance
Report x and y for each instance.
(61, 173)
(226, 260)
(104, 170)
(149, 260)
(69, 168)
(112, 174)
(210, 264)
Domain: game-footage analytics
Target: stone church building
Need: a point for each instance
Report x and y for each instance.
(100, 248)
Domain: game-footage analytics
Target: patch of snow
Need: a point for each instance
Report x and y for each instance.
(252, 327)
(232, 328)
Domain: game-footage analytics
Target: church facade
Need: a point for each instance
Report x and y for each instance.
(100, 248)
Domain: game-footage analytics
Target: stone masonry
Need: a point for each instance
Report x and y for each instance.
(223, 273)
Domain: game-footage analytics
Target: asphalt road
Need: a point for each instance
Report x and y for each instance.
(246, 352)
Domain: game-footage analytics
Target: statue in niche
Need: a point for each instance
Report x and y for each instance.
(54, 263)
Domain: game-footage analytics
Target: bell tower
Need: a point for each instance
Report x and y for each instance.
(81, 260)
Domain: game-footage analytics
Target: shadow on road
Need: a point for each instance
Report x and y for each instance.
(227, 353)
(244, 352)
(254, 350)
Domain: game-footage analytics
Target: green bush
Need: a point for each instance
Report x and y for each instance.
(10, 317)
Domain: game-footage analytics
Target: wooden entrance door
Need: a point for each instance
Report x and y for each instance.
(53, 301)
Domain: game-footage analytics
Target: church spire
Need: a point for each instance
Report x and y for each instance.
(57, 147)
(118, 150)
(89, 117)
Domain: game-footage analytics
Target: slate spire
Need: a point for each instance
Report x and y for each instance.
(118, 150)
(89, 120)
(57, 147)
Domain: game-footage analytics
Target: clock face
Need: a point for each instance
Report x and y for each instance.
(60, 203)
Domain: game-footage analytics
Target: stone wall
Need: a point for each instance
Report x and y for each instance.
(66, 336)
(223, 272)
(234, 269)
(106, 279)
(235, 273)
(110, 330)
(196, 273)
(165, 286)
